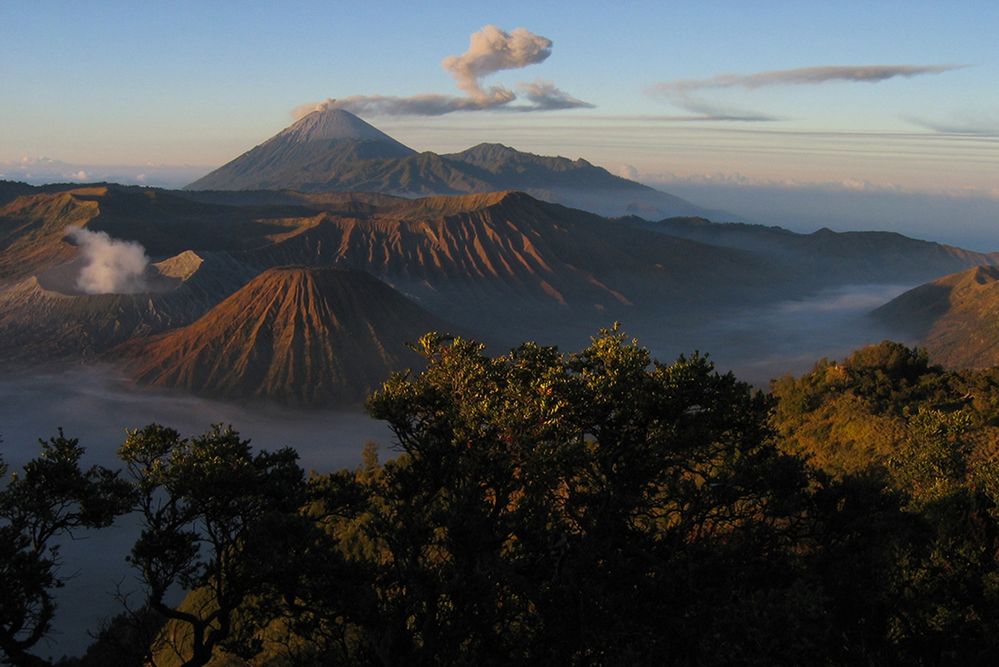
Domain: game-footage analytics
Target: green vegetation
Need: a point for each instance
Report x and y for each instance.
(587, 508)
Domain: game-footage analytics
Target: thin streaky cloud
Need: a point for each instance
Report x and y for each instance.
(810, 76)
(490, 50)
(681, 93)
(977, 126)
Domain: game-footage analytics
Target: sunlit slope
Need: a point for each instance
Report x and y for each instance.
(956, 317)
(305, 336)
(484, 259)
(32, 227)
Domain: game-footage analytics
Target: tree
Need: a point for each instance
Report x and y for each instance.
(927, 436)
(217, 520)
(593, 507)
(52, 498)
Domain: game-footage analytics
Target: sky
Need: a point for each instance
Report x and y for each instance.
(895, 97)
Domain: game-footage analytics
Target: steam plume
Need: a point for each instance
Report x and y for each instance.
(544, 96)
(110, 266)
(490, 50)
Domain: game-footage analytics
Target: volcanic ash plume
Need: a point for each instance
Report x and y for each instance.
(110, 266)
(490, 50)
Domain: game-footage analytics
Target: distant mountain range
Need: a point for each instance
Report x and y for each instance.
(334, 150)
(828, 257)
(373, 270)
(955, 317)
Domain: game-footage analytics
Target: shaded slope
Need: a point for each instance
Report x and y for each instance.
(305, 152)
(166, 224)
(293, 334)
(955, 317)
(11, 190)
(575, 183)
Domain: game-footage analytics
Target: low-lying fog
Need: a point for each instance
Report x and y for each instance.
(789, 337)
(96, 406)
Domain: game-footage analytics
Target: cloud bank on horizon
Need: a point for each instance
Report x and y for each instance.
(681, 93)
(490, 50)
(982, 124)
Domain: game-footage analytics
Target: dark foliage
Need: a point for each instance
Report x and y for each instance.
(51, 498)
(544, 508)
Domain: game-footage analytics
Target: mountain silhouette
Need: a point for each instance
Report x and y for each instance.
(334, 150)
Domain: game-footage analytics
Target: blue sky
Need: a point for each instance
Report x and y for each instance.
(197, 83)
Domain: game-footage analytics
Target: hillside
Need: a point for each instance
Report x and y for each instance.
(303, 336)
(334, 150)
(955, 317)
(32, 226)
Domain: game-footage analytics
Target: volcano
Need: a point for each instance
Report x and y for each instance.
(296, 335)
(334, 150)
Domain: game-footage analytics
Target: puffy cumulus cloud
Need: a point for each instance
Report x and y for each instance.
(110, 266)
(681, 93)
(490, 50)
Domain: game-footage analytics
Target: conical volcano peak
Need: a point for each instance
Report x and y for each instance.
(305, 153)
(333, 124)
(307, 336)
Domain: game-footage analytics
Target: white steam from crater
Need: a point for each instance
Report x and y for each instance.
(109, 266)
